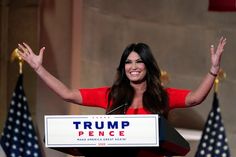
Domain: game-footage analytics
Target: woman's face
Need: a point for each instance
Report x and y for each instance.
(135, 69)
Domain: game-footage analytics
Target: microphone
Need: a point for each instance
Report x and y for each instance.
(117, 108)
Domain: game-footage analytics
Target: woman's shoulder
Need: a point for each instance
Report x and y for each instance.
(173, 90)
(95, 91)
(97, 88)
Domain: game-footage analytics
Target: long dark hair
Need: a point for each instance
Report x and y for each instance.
(155, 98)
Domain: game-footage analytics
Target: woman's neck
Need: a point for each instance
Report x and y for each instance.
(139, 88)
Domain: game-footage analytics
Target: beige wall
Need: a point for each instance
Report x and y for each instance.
(56, 36)
(85, 38)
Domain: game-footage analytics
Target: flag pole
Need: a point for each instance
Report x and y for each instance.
(221, 76)
(15, 56)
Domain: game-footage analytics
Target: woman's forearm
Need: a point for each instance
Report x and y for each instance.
(58, 87)
(197, 96)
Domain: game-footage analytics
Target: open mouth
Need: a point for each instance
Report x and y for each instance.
(134, 72)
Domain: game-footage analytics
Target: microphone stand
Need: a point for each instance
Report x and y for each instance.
(117, 108)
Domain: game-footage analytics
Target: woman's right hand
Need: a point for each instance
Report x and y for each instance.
(35, 61)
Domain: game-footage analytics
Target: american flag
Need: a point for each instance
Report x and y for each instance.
(19, 138)
(213, 141)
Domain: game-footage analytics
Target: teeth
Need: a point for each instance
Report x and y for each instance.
(134, 73)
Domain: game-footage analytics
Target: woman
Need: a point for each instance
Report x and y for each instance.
(137, 88)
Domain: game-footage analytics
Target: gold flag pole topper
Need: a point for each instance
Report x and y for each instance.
(15, 56)
(165, 78)
(221, 76)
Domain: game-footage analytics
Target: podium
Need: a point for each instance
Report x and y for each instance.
(170, 143)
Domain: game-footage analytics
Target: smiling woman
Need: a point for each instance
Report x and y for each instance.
(138, 83)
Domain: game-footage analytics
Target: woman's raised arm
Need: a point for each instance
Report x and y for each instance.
(35, 61)
(197, 96)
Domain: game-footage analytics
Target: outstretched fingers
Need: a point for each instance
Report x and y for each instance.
(220, 47)
(217, 53)
(22, 55)
(29, 50)
(23, 51)
(22, 48)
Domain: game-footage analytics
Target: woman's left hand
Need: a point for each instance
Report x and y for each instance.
(216, 55)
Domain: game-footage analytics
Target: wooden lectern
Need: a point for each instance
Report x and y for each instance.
(171, 143)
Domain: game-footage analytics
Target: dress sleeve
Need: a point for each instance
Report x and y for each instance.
(95, 97)
(177, 97)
